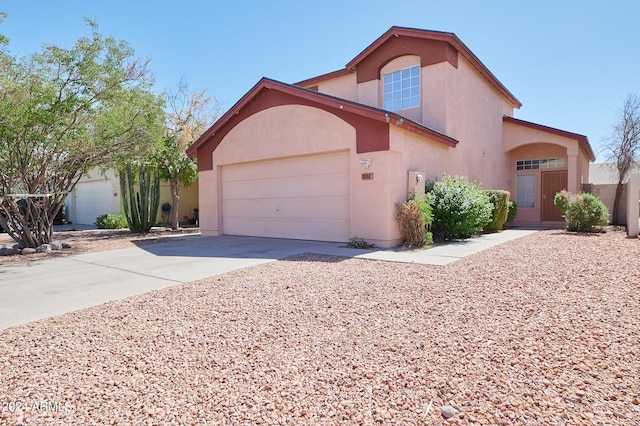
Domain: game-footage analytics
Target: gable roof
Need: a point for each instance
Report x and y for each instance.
(268, 93)
(449, 44)
(582, 139)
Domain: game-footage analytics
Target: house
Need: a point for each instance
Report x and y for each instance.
(98, 193)
(330, 157)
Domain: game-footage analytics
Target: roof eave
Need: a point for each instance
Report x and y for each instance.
(582, 139)
(338, 103)
(450, 38)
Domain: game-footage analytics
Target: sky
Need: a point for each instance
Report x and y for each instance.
(570, 63)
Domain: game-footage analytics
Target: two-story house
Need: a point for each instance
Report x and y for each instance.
(330, 157)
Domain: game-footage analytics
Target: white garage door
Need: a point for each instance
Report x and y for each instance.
(93, 199)
(301, 198)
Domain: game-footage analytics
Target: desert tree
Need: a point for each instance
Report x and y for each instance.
(188, 115)
(624, 146)
(65, 111)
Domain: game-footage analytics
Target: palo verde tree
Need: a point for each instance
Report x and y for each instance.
(62, 112)
(189, 115)
(624, 146)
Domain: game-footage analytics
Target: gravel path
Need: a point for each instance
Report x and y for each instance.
(541, 330)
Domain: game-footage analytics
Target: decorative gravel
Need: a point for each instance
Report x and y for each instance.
(540, 330)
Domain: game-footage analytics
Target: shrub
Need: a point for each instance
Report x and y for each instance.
(359, 243)
(500, 201)
(460, 208)
(111, 221)
(415, 218)
(583, 212)
(513, 209)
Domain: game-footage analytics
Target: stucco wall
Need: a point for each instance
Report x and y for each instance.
(344, 87)
(474, 111)
(188, 200)
(607, 194)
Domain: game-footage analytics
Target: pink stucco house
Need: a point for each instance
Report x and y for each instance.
(329, 158)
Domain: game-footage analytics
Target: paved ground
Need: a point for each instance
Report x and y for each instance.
(42, 289)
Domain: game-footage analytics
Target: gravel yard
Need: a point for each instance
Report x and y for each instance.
(543, 330)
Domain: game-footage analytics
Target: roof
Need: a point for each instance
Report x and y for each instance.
(328, 102)
(449, 38)
(582, 139)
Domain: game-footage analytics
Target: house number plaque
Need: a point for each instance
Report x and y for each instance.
(367, 176)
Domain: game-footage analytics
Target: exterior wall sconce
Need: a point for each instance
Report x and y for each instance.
(366, 163)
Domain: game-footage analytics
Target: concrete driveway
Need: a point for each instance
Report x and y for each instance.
(42, 289)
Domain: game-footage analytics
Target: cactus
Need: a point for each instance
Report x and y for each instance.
(140, 207)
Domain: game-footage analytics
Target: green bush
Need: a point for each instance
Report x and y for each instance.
(583, 212)
(513, 209)
(415, 219)
(460, 208)
(359, 243)
(111, 221)
(500, 201)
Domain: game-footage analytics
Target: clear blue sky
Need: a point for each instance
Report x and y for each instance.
(570, 63)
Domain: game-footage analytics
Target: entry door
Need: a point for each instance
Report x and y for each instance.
(552, 183)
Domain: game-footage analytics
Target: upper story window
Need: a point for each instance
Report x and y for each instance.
(402, 89)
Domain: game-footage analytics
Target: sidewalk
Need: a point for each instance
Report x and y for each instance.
(446, 253)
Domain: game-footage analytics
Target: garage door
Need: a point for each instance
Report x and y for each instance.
(93, 199)
(302, 198)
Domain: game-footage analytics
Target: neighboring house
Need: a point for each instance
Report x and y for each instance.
(603, 179)
(98, 193)
(330, 157)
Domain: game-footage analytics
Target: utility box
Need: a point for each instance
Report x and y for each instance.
(415, 184)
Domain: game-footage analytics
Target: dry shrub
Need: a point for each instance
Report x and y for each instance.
(414, 217)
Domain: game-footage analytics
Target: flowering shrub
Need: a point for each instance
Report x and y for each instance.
(460, 208)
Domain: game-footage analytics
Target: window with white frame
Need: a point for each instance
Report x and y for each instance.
(402, 89)
(526, 191)
(544, 163)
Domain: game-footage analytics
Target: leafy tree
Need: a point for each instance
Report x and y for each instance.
(189, 115)
(62, 112)
(624, 146)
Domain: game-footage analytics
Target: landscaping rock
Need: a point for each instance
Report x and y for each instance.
(66, 245)
(56, 246)
(28, 250)
(448, 411)
(44, 248)
(8, 251)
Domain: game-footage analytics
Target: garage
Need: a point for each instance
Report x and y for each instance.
(303, 197)
(92, 199)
